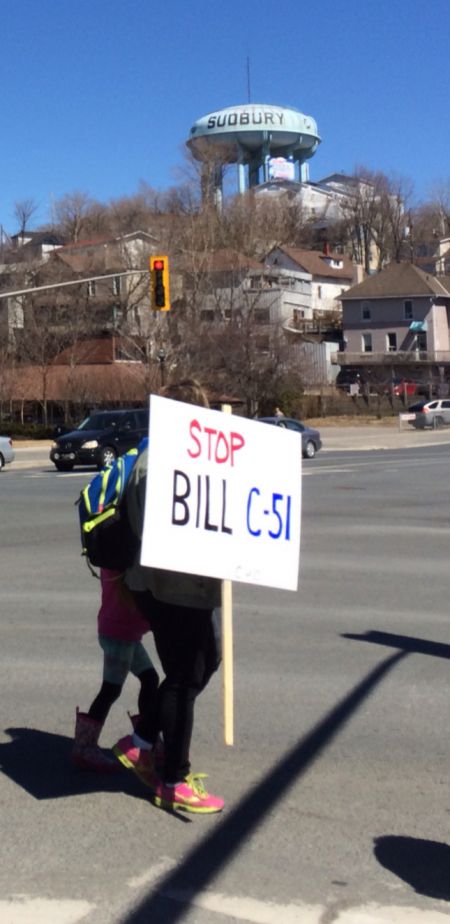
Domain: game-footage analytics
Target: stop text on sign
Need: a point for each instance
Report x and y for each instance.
(214, 445)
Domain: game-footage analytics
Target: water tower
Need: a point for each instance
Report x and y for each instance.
(256, 137)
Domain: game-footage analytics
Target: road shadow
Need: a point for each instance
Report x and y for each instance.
(40, 763)
(424, 865)
(168, 899)
(405, 643)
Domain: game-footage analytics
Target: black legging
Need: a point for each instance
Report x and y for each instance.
(109, 692)
(189, 651)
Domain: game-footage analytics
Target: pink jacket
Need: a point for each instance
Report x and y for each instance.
(118, 616)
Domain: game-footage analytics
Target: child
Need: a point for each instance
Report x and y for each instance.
(120, 630)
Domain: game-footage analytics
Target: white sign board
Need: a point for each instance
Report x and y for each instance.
(223, 496)
(281, 169)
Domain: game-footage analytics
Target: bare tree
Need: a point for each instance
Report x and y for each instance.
(23, 210)
(72, 212)
(440, 206)
(375, 218)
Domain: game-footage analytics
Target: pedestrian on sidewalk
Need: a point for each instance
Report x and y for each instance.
(120, 630)
(182, 611)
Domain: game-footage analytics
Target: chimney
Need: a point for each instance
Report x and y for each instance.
(326, 248)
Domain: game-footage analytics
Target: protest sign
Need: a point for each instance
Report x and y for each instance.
(223, 496)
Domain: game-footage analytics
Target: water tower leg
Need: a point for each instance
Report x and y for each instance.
(241, 177)
(253, 172)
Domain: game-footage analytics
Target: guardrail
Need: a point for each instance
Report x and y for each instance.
(401, 357)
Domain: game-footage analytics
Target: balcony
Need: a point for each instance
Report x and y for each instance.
(395, 358)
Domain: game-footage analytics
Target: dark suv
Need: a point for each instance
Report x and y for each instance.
(102, 437)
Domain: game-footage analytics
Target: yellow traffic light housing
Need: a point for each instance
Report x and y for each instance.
(159, 283)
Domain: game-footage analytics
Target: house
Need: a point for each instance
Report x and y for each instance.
(113, 290)
(331, 274)
(434, 257)
(443, 257)
(316, 329)
(33, 245)
(398, 322)
(323, 202)
(228, 281)
(107, 372)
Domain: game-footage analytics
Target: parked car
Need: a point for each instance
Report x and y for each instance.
(434, 413)
(7, 453)
(311, 441)
(100, 438)
(401, 387)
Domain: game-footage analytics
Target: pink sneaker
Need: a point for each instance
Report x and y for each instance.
(190, 796)
(142, 762)
(159, 746)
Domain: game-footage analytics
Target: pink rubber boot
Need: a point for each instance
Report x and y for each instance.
(86, 753)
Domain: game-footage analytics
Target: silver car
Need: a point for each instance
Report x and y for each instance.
(311, 441)
(434, 413)
(7, 453)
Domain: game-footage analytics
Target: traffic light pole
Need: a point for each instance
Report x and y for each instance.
(73, 282)
(162, 365)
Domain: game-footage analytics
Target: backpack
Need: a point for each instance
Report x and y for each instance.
(107, 540)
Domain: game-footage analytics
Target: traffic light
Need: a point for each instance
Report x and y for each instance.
(159, 283)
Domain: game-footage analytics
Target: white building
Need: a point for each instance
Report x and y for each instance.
(331, 274)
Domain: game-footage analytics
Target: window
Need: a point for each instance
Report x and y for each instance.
(366, 312)
(408, 310)
(319, 291)
(117, 314)
(421, 341)
(391, 341)
(92, 288)
(117, 285)
(367, 343)
(292, 425)
(297, 314)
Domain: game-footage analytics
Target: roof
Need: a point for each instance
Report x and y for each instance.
(106, 239)
(399, 280)
(316, 262)
(101, 253)
(113, 383)
(38, 237)
(223, 261)
(96, 351)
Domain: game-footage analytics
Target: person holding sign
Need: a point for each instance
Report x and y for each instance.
(181, 609)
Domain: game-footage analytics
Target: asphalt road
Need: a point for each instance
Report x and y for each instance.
(337, 789)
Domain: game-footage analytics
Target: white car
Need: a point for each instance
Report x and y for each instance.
(434, 413)
(7, 453)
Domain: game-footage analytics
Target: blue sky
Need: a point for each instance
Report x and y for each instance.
(97, 96)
